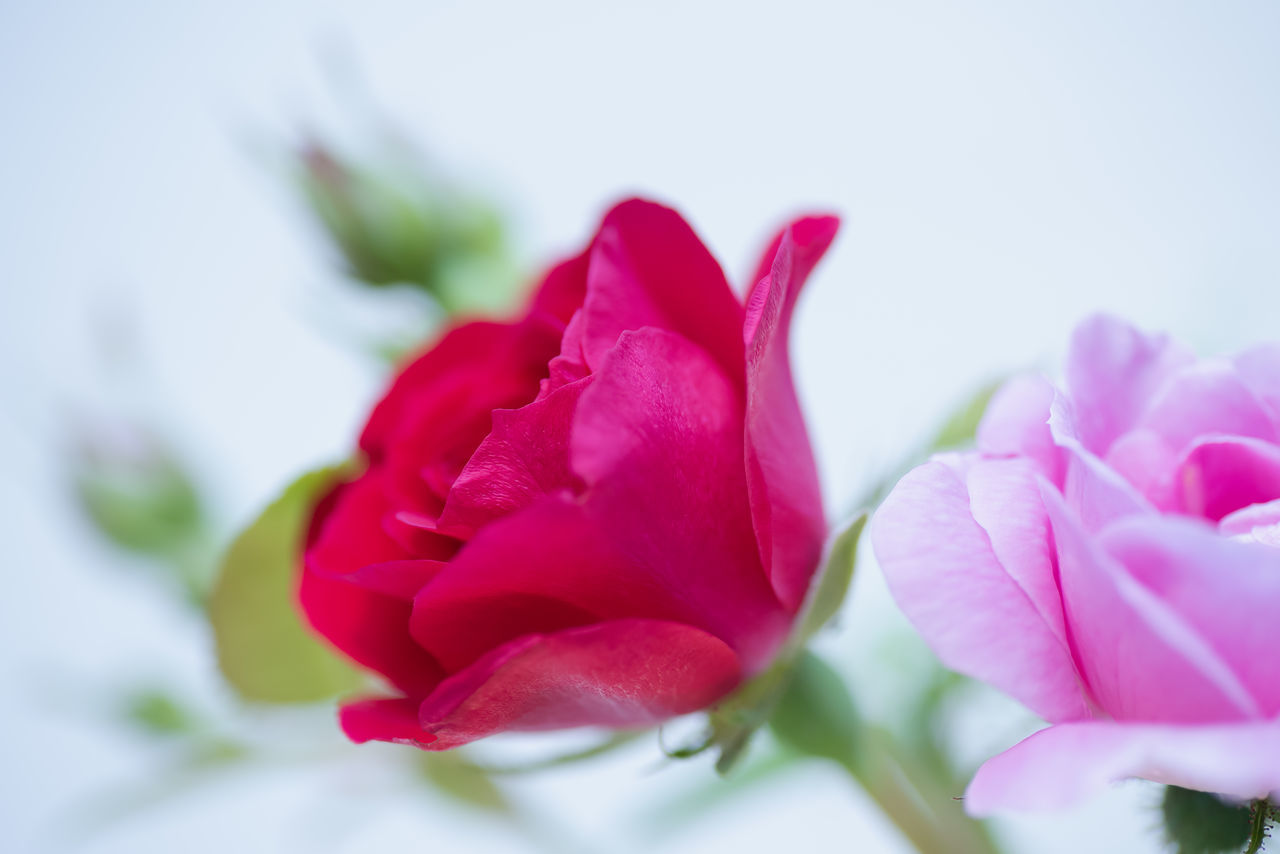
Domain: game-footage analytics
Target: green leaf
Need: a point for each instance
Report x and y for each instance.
(454, 775)
(159, 713)
(264, 650)
(815, 714)
(1202, 823)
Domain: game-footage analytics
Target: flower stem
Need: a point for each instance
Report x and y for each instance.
(1258, 826)
(915, 801)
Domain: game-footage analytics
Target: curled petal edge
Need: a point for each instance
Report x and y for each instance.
(1065, 764)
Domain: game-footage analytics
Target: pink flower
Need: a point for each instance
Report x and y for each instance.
(1110, 556)
(603, 513)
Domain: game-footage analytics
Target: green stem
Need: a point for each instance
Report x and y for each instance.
(928, 816)
(1258, 826)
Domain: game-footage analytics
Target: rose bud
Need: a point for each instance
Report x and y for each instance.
(395, 221)
(603, 513)
(1110, 556)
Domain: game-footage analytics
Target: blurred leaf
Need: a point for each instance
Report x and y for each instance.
(815, 714)
(137, 494)
(159, 713)
(1202, 823)
(264, 650)
(961, 426)
(216, 753)
(459, 778)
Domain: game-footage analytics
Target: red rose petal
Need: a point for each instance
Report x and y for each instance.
(623, 673)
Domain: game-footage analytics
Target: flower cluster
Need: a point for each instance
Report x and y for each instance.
(606, 512)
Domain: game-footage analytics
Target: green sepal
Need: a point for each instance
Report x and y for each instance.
(829, 589)
(733, 721)
(264, 650)
(1202, 823)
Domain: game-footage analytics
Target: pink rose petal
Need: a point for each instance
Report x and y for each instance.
(1113, 370)
(1141, 660)
(943, 572)
(1064, 764)
(1228, 591)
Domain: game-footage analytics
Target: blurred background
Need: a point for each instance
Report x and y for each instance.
(189, 320)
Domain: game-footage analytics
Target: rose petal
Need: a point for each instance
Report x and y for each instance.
(662, 532)
(1259, 368)
(571, 364)
(648, 268)
(1004, 498)
(419, 535)
(782, 479)
(459, 371)
(394, 720)
(1016, 423)
(1140, 659)
(539, 570)
(659, 442)
(1218, 476)
(1112, 372)
(347, 528)
(563, 289)
(1205, 399)
(619, 674)
(1145, 460)
(524, 457)
(444, 423)
(1064, 764)
(1093, 490)
(941, 569)
(1259, 523)
(366, 614)
(1228, 591)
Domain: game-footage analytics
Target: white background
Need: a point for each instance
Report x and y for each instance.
(1002, 170)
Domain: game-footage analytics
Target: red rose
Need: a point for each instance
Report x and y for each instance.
(605, 513)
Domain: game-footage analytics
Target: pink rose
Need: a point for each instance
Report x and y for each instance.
(603, 513)
(1110, 556)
